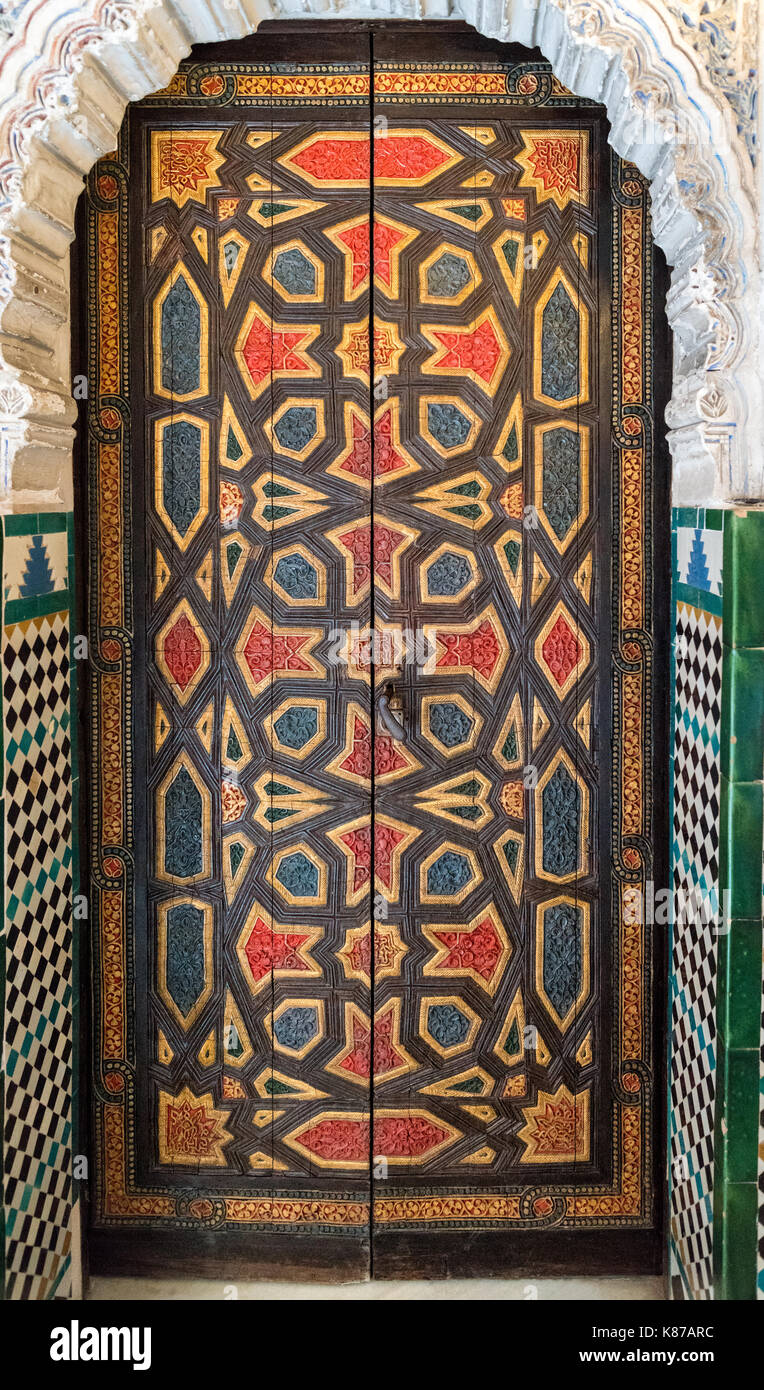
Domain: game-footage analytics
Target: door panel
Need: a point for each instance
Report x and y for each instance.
(356, 992)
(249, 773)
(502, 415)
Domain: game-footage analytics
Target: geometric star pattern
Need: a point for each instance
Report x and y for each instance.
(305, 548)
(374, 926)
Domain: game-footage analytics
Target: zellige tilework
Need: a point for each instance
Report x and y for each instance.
(695, 861)
(38, 787)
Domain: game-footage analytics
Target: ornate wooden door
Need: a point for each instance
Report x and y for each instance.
(372, 704)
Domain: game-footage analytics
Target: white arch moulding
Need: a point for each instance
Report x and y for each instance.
(68, 72)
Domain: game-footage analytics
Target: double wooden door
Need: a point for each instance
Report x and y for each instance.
(370, 481)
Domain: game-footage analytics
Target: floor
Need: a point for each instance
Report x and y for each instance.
(455, 1290)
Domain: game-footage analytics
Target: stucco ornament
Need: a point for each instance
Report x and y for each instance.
(68, 71)
(725, 35)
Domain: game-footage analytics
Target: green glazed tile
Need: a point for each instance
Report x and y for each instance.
(720, 1139)
(723, 953)
(740, 847)
(737, 1256)
(742, 1111)
(742, 751)
(739, 984)
(699, 598)
(22, 524)
(719, 1228)
(714, 519)
(744, 579)
(19, 609)
(685, 516)
(52, 521)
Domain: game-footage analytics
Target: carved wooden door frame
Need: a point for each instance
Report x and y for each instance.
(510, 1229)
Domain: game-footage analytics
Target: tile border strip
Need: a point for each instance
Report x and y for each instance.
(736, 1195)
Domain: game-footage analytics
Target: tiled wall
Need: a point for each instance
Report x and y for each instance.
(39, 995)
(716, 975)
(740, 874)
(760, 1230)
(697, 552)
(716, 965)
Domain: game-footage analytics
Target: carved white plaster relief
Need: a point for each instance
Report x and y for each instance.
(67, 73)
(725, 35)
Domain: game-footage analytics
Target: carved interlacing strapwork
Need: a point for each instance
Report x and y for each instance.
(294, 912)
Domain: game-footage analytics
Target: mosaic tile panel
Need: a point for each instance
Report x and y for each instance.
(741, 834)
(695, 868)
(35, 565)
(38, 800)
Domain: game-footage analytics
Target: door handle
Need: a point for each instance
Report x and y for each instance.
(391, 723)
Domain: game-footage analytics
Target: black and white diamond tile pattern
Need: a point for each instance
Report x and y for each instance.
(695, 865)
(38, 989)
